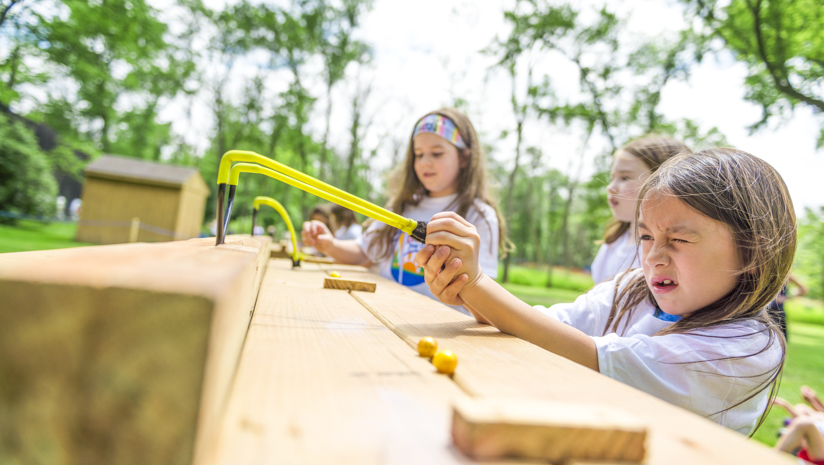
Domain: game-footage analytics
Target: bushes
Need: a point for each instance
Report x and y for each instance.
(27, 184)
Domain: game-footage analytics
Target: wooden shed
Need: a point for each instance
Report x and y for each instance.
(169, 202)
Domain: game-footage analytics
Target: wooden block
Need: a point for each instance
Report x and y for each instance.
(131, 345)
(487, 429)
(311, 259)
(348, 285)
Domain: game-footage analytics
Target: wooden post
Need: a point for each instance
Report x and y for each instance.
(134, 229)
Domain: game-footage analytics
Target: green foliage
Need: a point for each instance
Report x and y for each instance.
(782, 44)
(809, 259)
(26, 182)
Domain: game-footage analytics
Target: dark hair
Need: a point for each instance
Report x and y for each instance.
(472, 182)
(322, 211)
(344, 216)
(652, 150)
(750, 198)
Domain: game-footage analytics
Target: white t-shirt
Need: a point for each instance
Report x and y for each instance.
(400, 265)
(354, 231)
(654, 365)
(616, 257)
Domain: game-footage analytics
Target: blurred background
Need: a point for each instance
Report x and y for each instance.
(333, 88)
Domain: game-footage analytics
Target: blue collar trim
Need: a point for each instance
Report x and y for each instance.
(665, 316)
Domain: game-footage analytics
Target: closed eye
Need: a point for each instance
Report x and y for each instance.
(681, 241)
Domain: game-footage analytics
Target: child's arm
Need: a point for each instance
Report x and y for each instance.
(316, 234)
(463, 280)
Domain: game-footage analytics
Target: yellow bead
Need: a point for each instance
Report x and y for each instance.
(334, 274)
(445, 361)
(427, 347)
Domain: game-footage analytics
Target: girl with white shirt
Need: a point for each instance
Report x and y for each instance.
(444, 170)
(348, 226)
(718, 236)
(631, 166)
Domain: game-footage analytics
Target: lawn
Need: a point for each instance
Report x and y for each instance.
(32, 235)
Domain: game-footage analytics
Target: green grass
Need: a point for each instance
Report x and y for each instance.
(804, 366)
(32, 235)
(562, 278)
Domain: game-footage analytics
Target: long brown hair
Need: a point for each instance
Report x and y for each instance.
(750, 198)
(653, 151)
(472, 182)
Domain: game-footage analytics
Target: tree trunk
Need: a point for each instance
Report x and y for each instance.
(325, 147)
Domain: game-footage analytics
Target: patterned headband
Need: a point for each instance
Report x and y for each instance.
(440, 126)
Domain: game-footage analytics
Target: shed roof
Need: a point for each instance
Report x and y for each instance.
(139, 171)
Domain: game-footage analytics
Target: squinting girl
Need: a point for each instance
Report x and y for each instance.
(718, 235)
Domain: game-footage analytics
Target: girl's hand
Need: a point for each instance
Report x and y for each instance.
(449, 229)
(441, 279)
(316, 234)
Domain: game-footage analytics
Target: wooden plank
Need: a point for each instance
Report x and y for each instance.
(105, 348)
(348, 284)
(322, 381)
(555, 431)
(493, 364)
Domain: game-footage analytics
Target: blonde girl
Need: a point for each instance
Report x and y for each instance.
(631, 166)
(718, 236)
(444, 170)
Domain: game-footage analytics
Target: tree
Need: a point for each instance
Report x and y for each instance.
(26, 182)
(810, 256)
(781, 43)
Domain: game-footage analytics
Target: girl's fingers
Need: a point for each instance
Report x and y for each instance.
(450, 215)
(450, 293)
(433, 266)
(450, 225)
(444, 238)
(423, 255)
(446, 276)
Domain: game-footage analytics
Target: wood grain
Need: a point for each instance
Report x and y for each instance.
(322, 381)
(349, 285)
(555, 431)
(104, 349)
(493, 364)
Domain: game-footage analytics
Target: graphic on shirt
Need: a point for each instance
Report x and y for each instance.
(403, 268)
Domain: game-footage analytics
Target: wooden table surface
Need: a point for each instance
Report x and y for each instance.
(331, 376)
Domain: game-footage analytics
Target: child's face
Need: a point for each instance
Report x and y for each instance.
(437, 164)
(696, 254)
(628, 174)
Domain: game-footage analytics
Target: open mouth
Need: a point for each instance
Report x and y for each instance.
(662, 285)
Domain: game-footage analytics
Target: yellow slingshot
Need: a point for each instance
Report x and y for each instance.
(297, 256)
(228, 174)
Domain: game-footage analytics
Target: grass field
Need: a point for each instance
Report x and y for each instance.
(805, 365)
(32, 235)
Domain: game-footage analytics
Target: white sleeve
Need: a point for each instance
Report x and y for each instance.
(599, 263)
(588, 313)
(483, 217)
(703, 373)
(367, 242)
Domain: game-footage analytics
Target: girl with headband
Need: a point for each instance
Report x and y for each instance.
(444, 170)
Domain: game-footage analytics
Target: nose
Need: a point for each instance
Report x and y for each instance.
(657, 256)
(612, 188)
